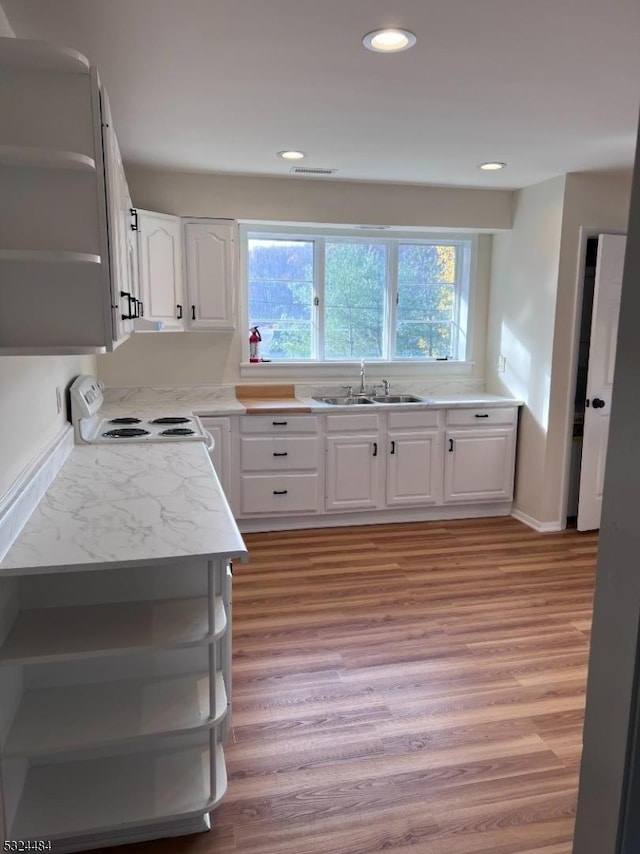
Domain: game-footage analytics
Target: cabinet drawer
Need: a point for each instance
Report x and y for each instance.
(266, 453)
(421, 418)
(358, 421)
(279, 493)
(482, 415)
(278, 424)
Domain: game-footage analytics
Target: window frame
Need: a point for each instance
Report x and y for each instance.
(465, 286)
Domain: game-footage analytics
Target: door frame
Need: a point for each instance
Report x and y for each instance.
(585, 232)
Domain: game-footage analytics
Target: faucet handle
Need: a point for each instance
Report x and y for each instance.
(387, 387)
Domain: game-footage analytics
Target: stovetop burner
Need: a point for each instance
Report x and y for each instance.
(170, 421)
(125, 433)
(178, 431)
(125, 420)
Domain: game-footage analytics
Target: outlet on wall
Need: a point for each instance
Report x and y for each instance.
(58, 399)
(502, 364)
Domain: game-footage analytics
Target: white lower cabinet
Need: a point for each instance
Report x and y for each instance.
(115, 688)
(379, 460)
(479, 455)
(279, 464)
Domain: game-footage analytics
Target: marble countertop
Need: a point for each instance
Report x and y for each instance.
(120, 504)
(149, 403)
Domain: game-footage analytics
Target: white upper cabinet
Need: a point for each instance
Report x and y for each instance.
(211, 247)
(63, 260)
(160, 264)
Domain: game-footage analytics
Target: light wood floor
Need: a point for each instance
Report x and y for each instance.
(406, 688)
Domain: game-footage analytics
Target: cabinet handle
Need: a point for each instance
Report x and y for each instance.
(140, 308)
(134, 216)
(179, 307)
(450, 445)
(131, 315)
(281, 453)
(375, 449)
(280, 491)
(486, 415)
(393, 446)
(279, 423)
(193, 312)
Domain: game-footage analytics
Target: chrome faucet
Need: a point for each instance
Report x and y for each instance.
(362, 377)
(387, 387)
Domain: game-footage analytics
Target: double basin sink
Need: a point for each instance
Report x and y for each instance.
(357, 400)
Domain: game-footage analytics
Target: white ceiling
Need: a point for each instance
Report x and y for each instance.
(549, 86)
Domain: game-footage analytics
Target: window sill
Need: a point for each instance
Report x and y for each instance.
(351, 370)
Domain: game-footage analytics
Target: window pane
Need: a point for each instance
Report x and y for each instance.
(355, 285)
(281, 296)
(426, 300)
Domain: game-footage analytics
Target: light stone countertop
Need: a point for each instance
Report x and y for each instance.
(116, 504)
(151, 403)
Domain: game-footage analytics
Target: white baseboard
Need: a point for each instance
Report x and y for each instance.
(373, 517)
(161, 830)
(23, 496)
(542, 527)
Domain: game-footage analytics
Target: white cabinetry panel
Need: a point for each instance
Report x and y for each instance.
(353, 465)
(211, 266)
(161, 286)
(413, 468)
(479, 464)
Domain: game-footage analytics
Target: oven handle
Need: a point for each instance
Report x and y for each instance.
(210, 445)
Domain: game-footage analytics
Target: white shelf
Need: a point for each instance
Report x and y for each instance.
(45, 158)
(66, 800)
(49, 256)
(41, 56)
(53, 634)
(55, 720)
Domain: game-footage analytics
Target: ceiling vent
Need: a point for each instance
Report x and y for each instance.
(311, 170)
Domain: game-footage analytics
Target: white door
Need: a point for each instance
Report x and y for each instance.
(413, 470)
(160, 242)
(352, 472)
(210, 248)
(602, 356)
(478, 464)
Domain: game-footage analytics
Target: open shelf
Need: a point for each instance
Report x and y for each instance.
(49, 256)
(54, 634)
(55, 720)
(45, 158)
(70, 799)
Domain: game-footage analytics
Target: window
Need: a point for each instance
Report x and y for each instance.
(329, 297)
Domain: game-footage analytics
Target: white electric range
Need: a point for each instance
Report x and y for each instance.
(91, 427)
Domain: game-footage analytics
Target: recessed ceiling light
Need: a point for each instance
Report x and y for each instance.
(291, 155)
(492, 166)
(389, 41)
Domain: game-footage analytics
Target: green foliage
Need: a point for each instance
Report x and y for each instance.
(355, 298)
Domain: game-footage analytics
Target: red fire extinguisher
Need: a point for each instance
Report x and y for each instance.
(254, 345)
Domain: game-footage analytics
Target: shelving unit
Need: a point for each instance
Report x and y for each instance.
(80, 798)
(137, 752)
(61, 277)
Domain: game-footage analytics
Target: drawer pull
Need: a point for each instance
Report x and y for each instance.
(281, 453)
(280, 491)
(486, 415)
(279, 423)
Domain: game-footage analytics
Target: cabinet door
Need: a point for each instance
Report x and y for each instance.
(118, 227)
(353, 464)
(160, 250)
(211, 247)
(479, 465)
(413, 467)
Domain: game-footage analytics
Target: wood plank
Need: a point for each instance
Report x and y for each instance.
(411, 688)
